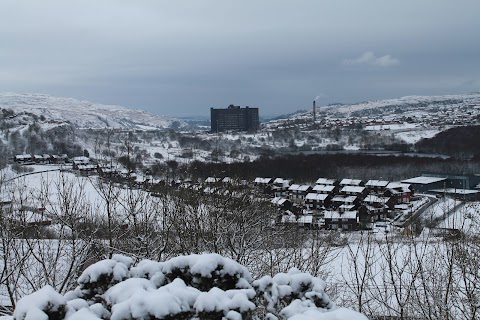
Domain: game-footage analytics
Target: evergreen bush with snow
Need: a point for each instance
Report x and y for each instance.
(205, 286)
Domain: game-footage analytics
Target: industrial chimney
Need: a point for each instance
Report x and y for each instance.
(314, 112)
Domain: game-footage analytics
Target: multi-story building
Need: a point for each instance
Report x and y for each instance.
(234, 118)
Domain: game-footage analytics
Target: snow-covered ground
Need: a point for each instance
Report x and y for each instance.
(465, 217)
(440, 209)
(416, 135)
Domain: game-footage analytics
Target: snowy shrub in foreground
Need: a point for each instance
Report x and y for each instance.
(187, 287)
(285, 291)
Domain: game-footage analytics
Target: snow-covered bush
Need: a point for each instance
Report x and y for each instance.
(99, 277)
(45, 304)
(284, 290)
(187, 287)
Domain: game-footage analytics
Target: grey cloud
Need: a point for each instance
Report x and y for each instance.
(370, 58)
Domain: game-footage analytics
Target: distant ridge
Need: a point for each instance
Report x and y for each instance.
(83, 114)
(387, 106)
(417, 102)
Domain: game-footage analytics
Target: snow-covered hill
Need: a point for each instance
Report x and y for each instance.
(403, 104)
(83, 114)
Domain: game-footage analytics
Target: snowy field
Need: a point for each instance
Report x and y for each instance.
(465, 217)
(440, 209)
(416, 135)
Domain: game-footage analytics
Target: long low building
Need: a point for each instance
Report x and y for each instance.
(462, 194)
(424, 184)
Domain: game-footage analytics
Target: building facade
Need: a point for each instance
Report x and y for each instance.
(234, 118)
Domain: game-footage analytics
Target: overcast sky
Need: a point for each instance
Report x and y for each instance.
(182, 57)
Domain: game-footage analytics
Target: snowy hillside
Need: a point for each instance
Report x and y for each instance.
(415, 105)
(83, 114)
(403, 104)
(408, 119)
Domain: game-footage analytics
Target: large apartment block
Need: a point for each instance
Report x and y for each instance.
(234, 118)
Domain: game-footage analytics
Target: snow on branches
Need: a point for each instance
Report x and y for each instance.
(206, 286)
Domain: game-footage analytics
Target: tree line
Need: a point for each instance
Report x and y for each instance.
(310, 167)
(458, 141)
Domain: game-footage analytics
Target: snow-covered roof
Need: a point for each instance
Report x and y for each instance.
(349, 199)
(298, 187)
(211, 180)
(376, 183)
(423, 180)
(281, 182)
(262, 180)
(340, 215)
(278, 180)
(316, 196)
(325, 181)
(80, 159)
(294, 187)
(278, 200)
(375, 199)
(323, 188)
(352, 189)
(405, 187)
(23, 156)
(350, 182)
(305, 219)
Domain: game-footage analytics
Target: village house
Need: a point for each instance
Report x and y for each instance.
(352, 182)
(401, 192)
(377, 186)
(317, 201)
(379, 202)
(305, 221)
(87, 169)
(59, 159)
(47, 158)
(327, 182)
(262, 182)
(326, 189)
(345, 203)
(297, 193)
(347, 221)
(358, 191)
(39, 159)
(282, 203)
(22, 158)
(280, 187)
(80, 161)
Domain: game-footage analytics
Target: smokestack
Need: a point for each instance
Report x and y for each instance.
(314, 111)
